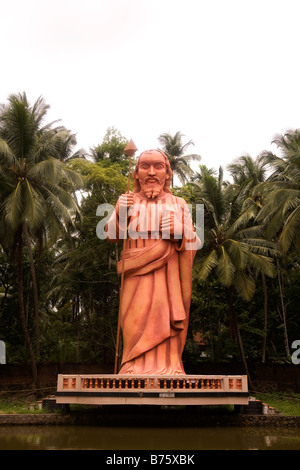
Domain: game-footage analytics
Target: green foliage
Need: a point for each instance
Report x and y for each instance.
(111, 150)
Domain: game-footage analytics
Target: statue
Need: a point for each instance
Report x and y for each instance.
(157, 261)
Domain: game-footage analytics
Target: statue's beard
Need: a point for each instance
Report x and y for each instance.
(151, 190)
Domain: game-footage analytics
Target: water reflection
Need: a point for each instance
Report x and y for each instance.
(112, 438)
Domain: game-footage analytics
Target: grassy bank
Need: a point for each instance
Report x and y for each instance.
(20, 404)
(287, 403)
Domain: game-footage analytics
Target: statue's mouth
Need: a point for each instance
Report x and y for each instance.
(152, 180)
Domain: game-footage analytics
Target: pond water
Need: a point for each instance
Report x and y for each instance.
(121, 438)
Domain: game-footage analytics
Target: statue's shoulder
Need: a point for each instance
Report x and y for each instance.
(178, 200)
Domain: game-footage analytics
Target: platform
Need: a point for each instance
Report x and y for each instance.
(116, 389)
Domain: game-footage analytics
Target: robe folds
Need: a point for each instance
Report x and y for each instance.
(156, 298)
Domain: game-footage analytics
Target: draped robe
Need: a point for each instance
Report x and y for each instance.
(157, 288)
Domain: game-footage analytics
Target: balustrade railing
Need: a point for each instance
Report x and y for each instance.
(177, 383)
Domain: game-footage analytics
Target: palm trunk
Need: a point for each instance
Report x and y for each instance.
(283, 309)
(264, 349)
(19, 266)
(6, 288)
(233, 316)
(35, 292)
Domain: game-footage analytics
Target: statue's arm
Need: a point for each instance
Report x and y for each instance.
(190, 239)
(119, 219)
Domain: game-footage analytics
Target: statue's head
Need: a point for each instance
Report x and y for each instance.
(152, 173)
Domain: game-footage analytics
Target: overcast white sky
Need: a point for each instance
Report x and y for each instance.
(223, 72)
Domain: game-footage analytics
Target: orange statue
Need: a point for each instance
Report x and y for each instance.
(160, 248)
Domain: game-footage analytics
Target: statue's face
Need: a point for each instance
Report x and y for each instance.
(152, 173)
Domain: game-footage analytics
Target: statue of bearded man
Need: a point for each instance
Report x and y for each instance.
(157, 263)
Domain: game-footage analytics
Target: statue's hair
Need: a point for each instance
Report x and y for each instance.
(136, 183)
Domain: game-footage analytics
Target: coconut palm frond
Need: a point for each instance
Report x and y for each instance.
(262, 264)
(225, 269)
(244, 285)
(207, 265)
(12, 207)
(290, 230)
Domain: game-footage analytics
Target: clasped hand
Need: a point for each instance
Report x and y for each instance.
(126, 200)
(170, 225)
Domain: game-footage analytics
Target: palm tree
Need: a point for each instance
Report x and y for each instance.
(280, 212)
(175, 151)
(247, 173)
(234, 251)
(36, 189)
(282, 208)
